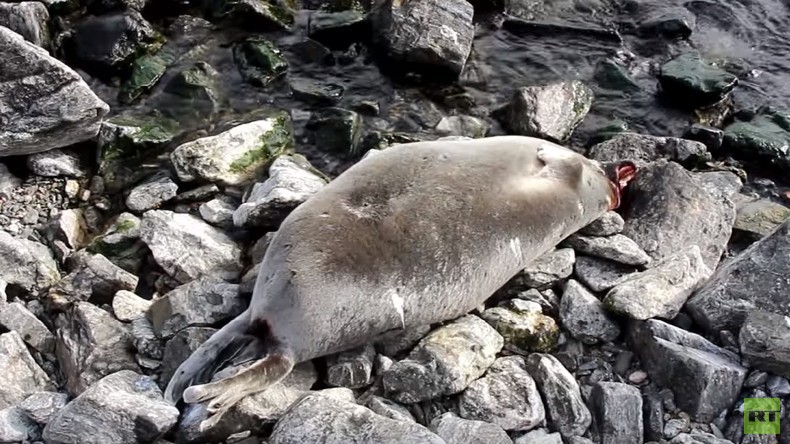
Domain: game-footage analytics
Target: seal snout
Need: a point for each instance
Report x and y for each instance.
(619, 175)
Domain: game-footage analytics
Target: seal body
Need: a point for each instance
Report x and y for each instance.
(416, 234)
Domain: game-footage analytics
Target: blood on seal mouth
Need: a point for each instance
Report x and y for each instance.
(619, 174)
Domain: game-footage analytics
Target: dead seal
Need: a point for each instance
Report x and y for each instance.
(417, 234)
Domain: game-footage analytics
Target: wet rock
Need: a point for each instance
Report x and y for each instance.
(765, 342)
(704, 378)
(617, 410)
(335, 130)
(194, 91)
(753, 280)
(565, 408)
(696, 82)
(16, 317)
(762, 139)
(462, 125)
(710, 136)
(601, 274)
(151, 193)
(188, 248)
(425, 35)
(352, 368)
(127, 306)
(28, 19)
(91, 344)
(549, 268)
(218, 212)
(338, 30)
(321, 418)
(670, 23)
(93, 277)
(54, 163)
(15, 426)
(539, 436)
(670, 211)
(506, 396)
(611, 74)
(609, 224)
(445, 362)
(389, 409)
(550, 111)
(455, 430)
(291, 181)
(40, 407)
(266, 15)
(585, 317)
(523, 331)
(26, 264)
(120, 408)
(617, 247)
(21, 375)
(260, 62)
(661, 291)
(203, 302)
(47, 104)
(641, 149)
(121, 243)
(758, 218)
(146, 71)
(316, 93)
(235, 156)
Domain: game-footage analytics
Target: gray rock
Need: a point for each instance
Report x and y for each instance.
(146, 342)
(151, 193)
(704, 378)
(127, 306)
(539, 436)
(609, 224)
(617, 248)
(8, 182)
(759, 217)
(28, 19)
(565, 407)
(464, 126)
(722, 184)
(699, 438)
(661, 291)
(94, 277)
(389, 409)
(523, 331)
(617, 410)
(69, 227)
(121, 244)
(756, 279)
(455, 430)
(218, 212)
(445, 362)
(291, 181)
(585, 317)
(46, 104)
(669, 211)
(321, 418)
(674, 427)
(179, 348)
(428, 34)
(642, 149)
(579, 440)
(547, 299)
(55, 163)
(16, 317)
(201, 303)
(21, 374)
(120, 408)
(601, 274)
(778, 386)
(352, 368)
(188, 248)
(91, 344)
(397, 342)
(15, 426)
(26, 264)
(506, 396)
(765, 342)
(549, 268)
(654, 416)
(550, 111)
(40, 407)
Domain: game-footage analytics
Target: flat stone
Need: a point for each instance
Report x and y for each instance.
(617, 413)
(21, 374)
(642, 149)
(455, 430)
(260, 62)
(16, 317)
(127, 306)
(549, 268)
(609, 224)
(523, 331)
(601, 274)
(585, 317)
(765, 342)
(566, 411)
(151, 193)
(617, 248)
(26, 264)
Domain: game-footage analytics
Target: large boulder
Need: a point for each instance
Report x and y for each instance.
(641, 149)
(22, 376)
(765, 342)
(45, 104)
(28, 19)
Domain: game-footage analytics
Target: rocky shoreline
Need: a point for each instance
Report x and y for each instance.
(150, 151)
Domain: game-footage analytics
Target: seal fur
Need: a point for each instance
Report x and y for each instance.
(416, 234)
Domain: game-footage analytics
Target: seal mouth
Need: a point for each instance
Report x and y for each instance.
(619, 174)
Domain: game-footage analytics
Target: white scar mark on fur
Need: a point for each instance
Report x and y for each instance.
(515, 247)
(397, 302)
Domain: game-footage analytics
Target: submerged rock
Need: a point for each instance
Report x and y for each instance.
(259, 15)
(259, 61)
(765, 342)
(336, 130)
(316, 93)
(764, 139)
(693, 82)
(147, 70)
(338, 29)
(668, 22)
(194, 91)
(565, 408)
(22, 376)
(641, 148)
(46, 104)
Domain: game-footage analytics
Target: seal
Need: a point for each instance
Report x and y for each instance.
(417, 234)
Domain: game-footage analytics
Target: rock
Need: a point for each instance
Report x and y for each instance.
(778, 387)
(151, 193)
(15, 426)
(674, 427)
(539, 436)
(641, 149)
(445, 362)
(235, 156)
(669, 211)
(389, 409)
(120, 408)
(455, 430)
(28, 19)
(549, 268)
(653, 416)
(218, 212)
(22, 376)
(352, 368)
(506, 396)
(127, 306)
(696, 82)
(661, 291)
(710, 136)
(16, 317)
(314, 93)
(46, 104)
(697, 437)
(753, 280)
(461, 125)
(609, 224)
(266, 15)
(670, 23)
(194, 90)
(397, 342)
(722, 184)
(611, 74)
(93, 277)
(291, 181)
(260, 62)
(203, 302)
(523, 332)
(91, 344)
(547, 300)
(585, 317)
(8, 182)
(68, 227)
(601, 274)
(704, 378)
(565, 407)
(26, 264)
(54, 163)
(617, 248)
(550, 111)
(758, 218)
(40, 407)
(425, 35)
(121, 243)
(762, 139)
(179, 348)
(188, 248)
(338, 30)
(149, 347)
(146, 71)
(617, 413)
(765, 342)
(335, 130)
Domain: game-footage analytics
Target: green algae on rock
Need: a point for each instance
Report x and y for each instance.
(691, 82)
(263, 15)
(524, 331)
(336, 129)
(146, 72)
(237, 155)
(764, 139)
(121, 243)
(259, 61)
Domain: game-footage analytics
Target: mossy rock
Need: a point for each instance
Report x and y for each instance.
(524, 332)
(336, 130)
(764, 140)
(692, 82)
(259, 61)
(146, 72)
(261, 15)
(121, 243)
(610, 75)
